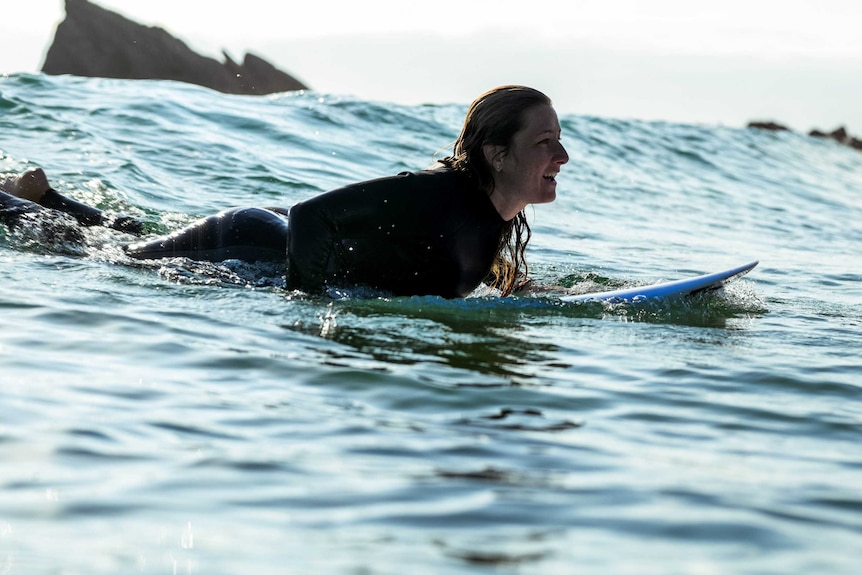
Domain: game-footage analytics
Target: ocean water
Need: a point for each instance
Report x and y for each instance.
(175, 417)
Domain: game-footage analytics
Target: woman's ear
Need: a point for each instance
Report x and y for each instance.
(494, 156)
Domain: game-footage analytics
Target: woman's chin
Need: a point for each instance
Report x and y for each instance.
(548, 197)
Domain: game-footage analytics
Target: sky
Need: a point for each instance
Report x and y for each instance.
(797, 62)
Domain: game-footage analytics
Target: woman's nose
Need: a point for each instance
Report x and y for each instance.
(562, 154)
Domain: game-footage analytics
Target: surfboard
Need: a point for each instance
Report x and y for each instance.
(676, 288)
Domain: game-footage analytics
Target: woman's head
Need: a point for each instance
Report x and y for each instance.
(492, 119)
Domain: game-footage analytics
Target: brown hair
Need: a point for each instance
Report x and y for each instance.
(494, 118)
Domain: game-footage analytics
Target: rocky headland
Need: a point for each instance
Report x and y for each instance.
(95, 42)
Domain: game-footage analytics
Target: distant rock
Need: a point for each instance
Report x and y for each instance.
(768, 126)
(98, 43)
(840, 134)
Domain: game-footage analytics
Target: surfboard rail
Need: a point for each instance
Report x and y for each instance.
(676, 288)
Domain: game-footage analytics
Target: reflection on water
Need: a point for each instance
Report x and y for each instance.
(481, 336)
(503, 338)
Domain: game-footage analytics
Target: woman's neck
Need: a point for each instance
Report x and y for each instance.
(507, 203)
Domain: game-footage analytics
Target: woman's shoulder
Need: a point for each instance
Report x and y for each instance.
(435, 175)
(442, 173)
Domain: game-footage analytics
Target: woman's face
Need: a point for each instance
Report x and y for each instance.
(534, 157)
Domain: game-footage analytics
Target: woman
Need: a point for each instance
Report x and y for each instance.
(440, 231)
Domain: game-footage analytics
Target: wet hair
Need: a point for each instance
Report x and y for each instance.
(494, 118)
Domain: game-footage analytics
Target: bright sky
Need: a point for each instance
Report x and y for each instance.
(798, 62)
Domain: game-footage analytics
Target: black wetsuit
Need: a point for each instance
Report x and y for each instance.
(418, 233)
(12, 209)
(431, 232)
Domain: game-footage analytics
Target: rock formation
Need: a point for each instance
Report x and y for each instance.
(96, 42)
(840, 135)
(772, 126)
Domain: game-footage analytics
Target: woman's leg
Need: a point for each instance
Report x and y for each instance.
(13, 208)
(53, 230)
(33, 186)
(248, 234)
(30, 185)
